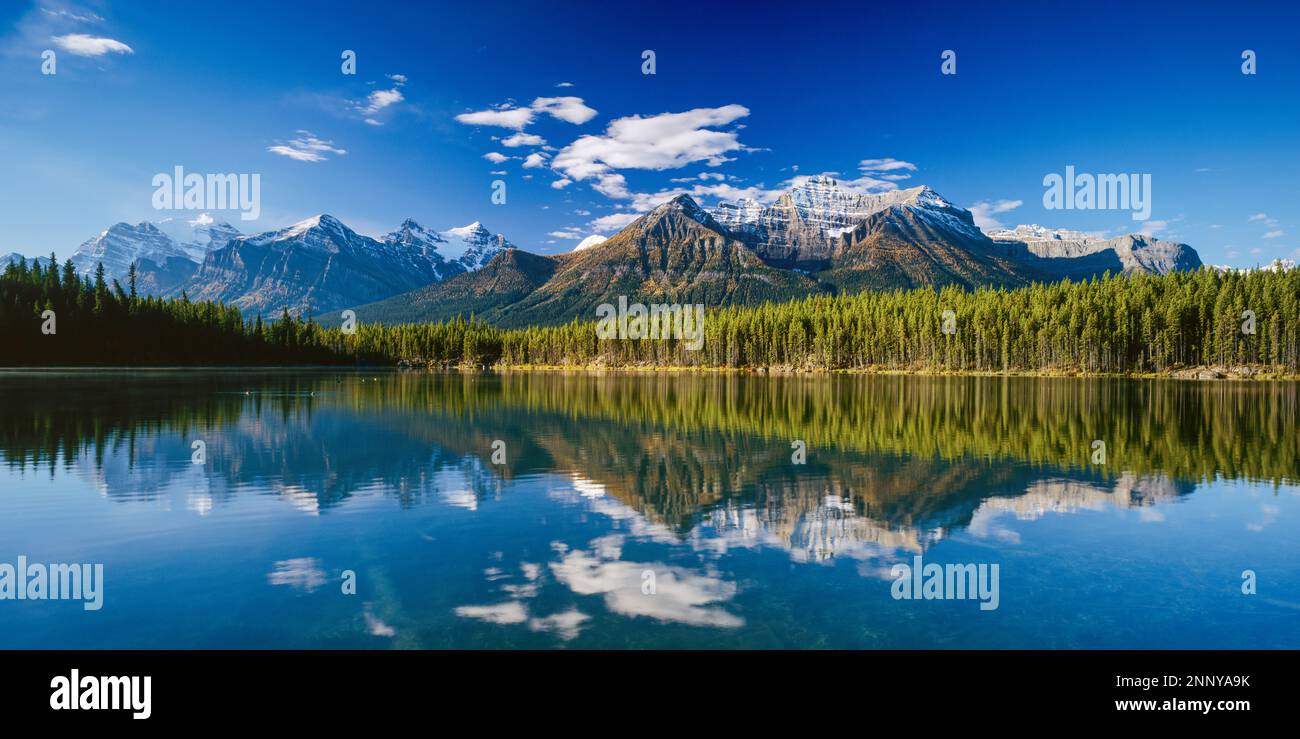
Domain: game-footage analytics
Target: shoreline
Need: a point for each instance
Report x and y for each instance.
(1249, 373)
(1194, 373)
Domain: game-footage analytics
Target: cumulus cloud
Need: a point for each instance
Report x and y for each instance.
(681, 595)
(523, 139)
(613, 222)
(568, 109)
(535, 160)
(82, 44)
(984, 212)
(306, 148)
(496, 157)
(657, 142)
(515, 118)
(510, 612)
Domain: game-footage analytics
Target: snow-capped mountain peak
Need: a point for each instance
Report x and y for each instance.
(122, 244)
(1035, 232)
(410, 232)
(198, 236)
(472, 246)
(803, 222)
(467, 231)
(589, 242)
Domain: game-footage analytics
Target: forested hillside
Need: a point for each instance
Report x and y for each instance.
(90, 321)
(1118, 324)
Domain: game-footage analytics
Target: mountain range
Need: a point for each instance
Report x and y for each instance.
(816, 238)
(315, 265)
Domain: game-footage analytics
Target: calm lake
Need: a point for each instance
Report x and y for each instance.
(629, 511)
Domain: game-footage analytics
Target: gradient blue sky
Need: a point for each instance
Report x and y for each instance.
(1149, 88)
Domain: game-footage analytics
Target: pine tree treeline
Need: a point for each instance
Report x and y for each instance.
(98, 323)
(1113, 324)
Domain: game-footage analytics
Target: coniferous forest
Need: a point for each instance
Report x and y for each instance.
(1116, 324)
(93, 322)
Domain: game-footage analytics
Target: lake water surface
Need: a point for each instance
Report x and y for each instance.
(631, 511)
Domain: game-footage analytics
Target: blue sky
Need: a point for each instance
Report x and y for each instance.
(765, 92)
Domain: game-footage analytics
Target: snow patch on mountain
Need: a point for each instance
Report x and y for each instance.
(199, 236)
(589, 242)
(472, 246)
(123, 244)
(804, 221)
(1035, 232)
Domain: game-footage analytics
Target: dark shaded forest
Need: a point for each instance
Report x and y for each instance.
(1116, 324)
(53, 317)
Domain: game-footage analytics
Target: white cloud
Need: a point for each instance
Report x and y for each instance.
(510, 612)
(1153, 227)
(643, 202)
(535, 160)
(888, 164)
(983, 212)
(87, 17)
(568, 109)
(568, 233)
(658, 142)
(81, 44)
(380, 99)
(515, 118)
(306, 148)
(718, 176)
(1272, 224)
(562, 183)
(565, 625)
(398, 79)
(302, 573)
(681, 595)
(523, 139)
(613, 222)
(565, 84)
(612, 185)
(496, 157)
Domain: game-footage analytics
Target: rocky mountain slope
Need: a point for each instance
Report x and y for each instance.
(816, 238)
